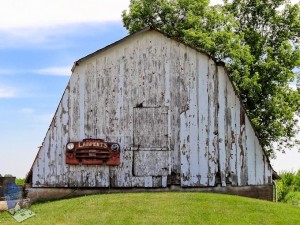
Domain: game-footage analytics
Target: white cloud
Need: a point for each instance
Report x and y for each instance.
(51, 71)
(27, 110)
(31, 22)
(54, 37)
(7, 92)
(26, 36)
(27, 22)
(15, 14)
(6, 71)
(55, 71)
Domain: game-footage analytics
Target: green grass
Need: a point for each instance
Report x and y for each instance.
(20, 181)
(160, 208)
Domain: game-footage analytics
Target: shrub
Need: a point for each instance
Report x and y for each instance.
(288, 187)
(293, 198)
(296, 181)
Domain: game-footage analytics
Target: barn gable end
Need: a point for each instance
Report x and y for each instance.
(172, 109)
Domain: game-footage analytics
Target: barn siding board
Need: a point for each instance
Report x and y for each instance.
(231, 132)
(203, 118)
(38, 173)
(173, 110)
(251, 152)
(114, 96)
(211, 128)
(221, 125)
(175, 106)
(194, 119)
(50, 172)
(80, 97)
(237, 140)
(120, 100)
(50, 151)
(227, 121)
(140, 72)
(243, 147)
(259, 164)
(184, 150)
(44, 163)
(94, 95)
(185, 113)
(36, 169)
(165, 48)
(88, 103)
(100, 99)
(108, 104)
(55, 159)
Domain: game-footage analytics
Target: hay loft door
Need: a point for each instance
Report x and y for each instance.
(150, 141)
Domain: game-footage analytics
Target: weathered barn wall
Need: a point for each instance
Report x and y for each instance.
(173, 111)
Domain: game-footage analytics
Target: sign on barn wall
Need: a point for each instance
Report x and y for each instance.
(93, 152)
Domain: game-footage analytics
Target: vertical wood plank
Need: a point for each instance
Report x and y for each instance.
(221, 124)
(211, 128)
(203, 118)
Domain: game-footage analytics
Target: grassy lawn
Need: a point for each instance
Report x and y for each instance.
(160, 208)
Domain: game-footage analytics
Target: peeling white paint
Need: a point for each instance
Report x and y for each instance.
(173, 110)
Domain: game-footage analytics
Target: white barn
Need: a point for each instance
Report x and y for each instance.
(172, 110)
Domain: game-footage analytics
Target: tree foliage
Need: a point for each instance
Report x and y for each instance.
(259, 42)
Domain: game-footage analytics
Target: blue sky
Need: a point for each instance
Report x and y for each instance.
(39, 41)
(32, 81)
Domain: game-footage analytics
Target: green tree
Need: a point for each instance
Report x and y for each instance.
(259, 42)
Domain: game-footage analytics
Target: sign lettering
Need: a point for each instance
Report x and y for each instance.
(92, 144)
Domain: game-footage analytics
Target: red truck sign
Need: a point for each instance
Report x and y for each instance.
(93, 152)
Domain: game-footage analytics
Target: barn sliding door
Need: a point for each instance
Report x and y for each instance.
(150, 141)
